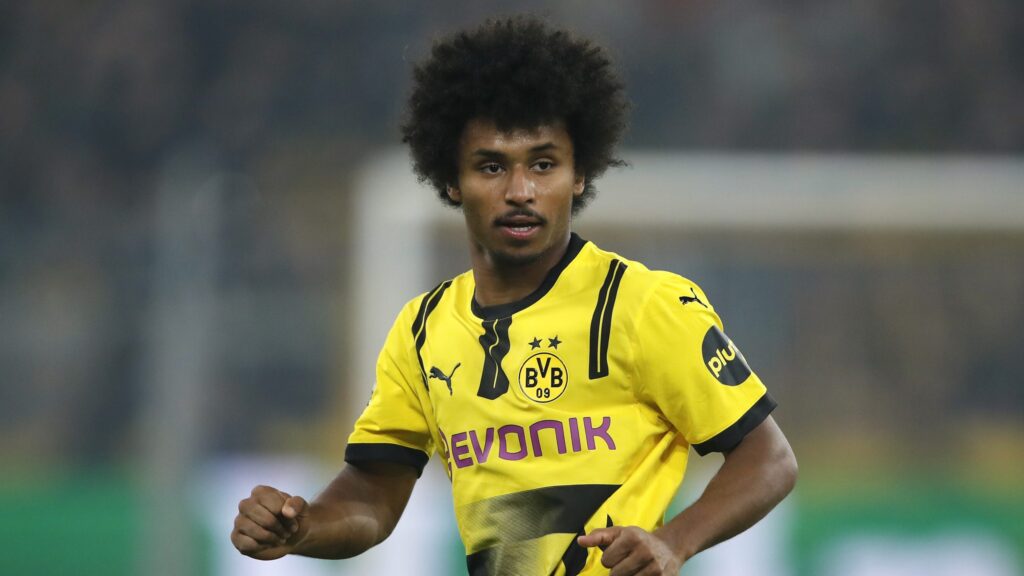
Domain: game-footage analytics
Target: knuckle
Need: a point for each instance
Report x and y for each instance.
(256, 533)
(264, 514)
(243, 545)
(263, 489)
(257, 515)
(249, 548)
(261, 522)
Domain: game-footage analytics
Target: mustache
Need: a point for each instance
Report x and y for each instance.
(520, 213)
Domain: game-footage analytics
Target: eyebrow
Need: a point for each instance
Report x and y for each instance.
(486, 153)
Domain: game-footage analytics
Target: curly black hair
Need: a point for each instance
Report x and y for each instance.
(520, 74)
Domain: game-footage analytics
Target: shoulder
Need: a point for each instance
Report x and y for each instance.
(640, 284)
(416, 310)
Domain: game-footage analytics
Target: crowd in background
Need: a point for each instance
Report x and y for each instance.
(98, 99)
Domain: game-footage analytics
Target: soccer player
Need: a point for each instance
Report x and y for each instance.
(561, 385)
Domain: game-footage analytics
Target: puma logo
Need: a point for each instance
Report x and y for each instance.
(684, 300)
(436, 373)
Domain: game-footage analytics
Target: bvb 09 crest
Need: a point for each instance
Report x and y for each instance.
(543, 377)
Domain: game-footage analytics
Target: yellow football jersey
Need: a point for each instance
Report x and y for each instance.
(570, 410)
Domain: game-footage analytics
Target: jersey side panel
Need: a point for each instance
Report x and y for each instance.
(393, 426)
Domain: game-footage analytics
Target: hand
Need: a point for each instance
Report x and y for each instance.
(630, 550)
(269, 523)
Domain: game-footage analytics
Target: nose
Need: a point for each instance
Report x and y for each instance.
(520, 189)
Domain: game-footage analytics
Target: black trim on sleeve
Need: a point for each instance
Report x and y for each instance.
(357, 453)
(728, 439)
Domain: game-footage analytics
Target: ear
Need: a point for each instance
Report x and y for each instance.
(578, 185)
(455, 194)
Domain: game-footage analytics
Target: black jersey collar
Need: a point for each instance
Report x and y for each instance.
(505, 310)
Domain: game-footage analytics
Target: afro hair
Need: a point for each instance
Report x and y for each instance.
(520, 74)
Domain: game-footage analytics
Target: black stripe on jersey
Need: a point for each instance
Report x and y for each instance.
(513, 522)
(493, 381)
(601, 323)
(503, 310)
(575, 557)
(419, 325)
(728, 439)
(359, 453)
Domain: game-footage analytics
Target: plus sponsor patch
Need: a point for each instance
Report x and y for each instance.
(723, 359)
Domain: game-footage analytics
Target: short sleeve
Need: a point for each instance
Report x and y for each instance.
(393, 427)
(694, 374)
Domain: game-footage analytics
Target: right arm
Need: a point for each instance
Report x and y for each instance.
(357, 511)
(385, 455)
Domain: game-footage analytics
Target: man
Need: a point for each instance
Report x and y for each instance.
(562, 385)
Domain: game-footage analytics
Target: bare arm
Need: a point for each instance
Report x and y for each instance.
(757, 474)
(357, 510)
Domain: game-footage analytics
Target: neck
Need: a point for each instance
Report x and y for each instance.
(499, 281)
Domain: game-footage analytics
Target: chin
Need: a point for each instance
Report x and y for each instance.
(516, 257)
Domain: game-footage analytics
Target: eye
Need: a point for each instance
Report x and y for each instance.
(544, 165)
(491, 168)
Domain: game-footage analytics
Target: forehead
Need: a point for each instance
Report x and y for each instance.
(484, 135)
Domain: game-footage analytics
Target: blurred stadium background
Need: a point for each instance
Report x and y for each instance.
(206, 227)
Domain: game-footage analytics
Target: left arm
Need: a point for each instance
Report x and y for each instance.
(757, 474)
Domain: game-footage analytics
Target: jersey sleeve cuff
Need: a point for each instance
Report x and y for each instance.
(728, 439)
(358, 453)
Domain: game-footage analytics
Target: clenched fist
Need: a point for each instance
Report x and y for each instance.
(269, 523)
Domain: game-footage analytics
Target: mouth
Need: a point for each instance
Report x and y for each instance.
(519, 226)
